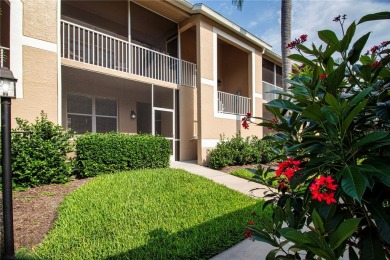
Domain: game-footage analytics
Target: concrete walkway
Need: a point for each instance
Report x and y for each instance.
(247, 249)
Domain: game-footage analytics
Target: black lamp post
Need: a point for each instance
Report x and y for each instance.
(7, 91)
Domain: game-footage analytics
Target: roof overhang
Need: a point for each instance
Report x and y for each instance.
(216, 17)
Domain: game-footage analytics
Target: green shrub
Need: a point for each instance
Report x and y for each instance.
(240, 151)
(39, 154)
(110, 152)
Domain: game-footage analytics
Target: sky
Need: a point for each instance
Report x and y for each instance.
(262, 18)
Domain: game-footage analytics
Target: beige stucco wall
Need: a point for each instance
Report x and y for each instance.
(259, 76)
(188, 123)
(40, 19)
(212, 126)
(39, 85)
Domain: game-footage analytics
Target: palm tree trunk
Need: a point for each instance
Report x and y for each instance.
(286, 38)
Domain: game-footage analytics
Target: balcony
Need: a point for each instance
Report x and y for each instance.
(89, 46)
(267, 87)
(233, 104)
(4, 56)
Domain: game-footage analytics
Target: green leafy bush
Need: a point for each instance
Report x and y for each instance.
(110, 152)
(334, 124)
(39, 154)
(240, 151)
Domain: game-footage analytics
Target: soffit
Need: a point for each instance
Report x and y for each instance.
(165, 9)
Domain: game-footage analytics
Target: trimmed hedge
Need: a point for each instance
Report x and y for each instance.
(110, 152)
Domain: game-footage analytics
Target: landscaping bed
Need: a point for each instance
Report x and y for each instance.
(35, 210)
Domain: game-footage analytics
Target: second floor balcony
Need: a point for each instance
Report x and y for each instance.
(233, 104)
(89, 46)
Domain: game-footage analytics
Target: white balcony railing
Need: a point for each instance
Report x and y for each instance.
(233, 104)
(89, 46)
(267, 87)
(4, 53)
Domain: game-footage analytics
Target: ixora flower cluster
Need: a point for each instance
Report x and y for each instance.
(286, 170)
(297, 41)
(245, 120)
(323, 189)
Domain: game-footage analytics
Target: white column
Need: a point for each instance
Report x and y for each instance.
(59, 71)
(16, 39)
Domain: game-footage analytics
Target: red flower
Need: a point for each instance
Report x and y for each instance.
(294, 43)
(250, 223)
(248, 233)
(375, 64)
(323, 189)
(245, 120)
(245, 124)
(286, 170)
(323, 75)
(374, 49)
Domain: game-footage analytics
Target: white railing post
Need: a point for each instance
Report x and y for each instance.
(233, 104)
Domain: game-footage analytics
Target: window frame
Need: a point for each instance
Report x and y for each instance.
(94, 116)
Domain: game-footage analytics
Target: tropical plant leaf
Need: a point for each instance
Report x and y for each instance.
(329, 37)
(263, 236)
(371, 137)
(318, 223)
(344, 43)
(351, 116)
(379, 168)
(353, 182)
(331, 100)
(343, 232)
(294, 236)
(354, 53)
(373, 17)
(371, 246)
(382, 219)
(302, 59)
(335, 78)
(284, 104)
(314, 113)
(352, 254)
(359, 97)
(272, 254)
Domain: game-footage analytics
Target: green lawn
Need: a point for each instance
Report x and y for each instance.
(148, 214)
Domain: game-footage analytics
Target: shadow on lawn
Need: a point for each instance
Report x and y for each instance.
(221, 233)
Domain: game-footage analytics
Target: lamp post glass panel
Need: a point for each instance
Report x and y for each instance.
(7, 91)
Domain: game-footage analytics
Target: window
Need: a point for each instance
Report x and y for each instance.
(272, 73)
(90, 114)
